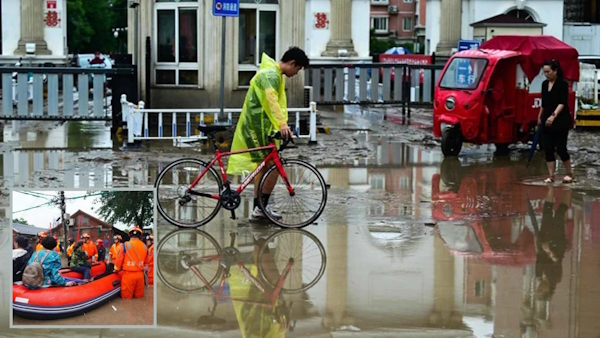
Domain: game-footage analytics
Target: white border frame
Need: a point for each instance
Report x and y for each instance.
(9, 247)
(177, 66)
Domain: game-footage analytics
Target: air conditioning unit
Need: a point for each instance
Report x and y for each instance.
(393, 9)
(393, 32)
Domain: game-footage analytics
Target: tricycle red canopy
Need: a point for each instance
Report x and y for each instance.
(536, 50)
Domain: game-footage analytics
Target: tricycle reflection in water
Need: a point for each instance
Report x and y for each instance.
(492, 95)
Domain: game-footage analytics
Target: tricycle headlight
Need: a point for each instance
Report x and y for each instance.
(450, 103)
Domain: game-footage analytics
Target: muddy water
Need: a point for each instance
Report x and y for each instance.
(414, 246)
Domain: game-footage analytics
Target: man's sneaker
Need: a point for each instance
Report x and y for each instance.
(258, 214)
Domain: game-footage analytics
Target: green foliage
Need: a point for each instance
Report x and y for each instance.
(20, 221)
(90, 24)
(381, 44)
(129, 207)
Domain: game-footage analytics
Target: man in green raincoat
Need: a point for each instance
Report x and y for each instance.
(264, 113)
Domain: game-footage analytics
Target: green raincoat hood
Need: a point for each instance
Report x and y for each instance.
(266, 62)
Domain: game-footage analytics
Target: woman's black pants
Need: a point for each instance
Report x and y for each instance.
(556, 141)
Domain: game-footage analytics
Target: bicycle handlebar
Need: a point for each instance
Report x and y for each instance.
(277, 136)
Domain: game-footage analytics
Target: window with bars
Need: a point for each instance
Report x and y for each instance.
(177, 38)
(380, 24)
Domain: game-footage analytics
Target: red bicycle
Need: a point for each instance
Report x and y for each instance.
(191, 193)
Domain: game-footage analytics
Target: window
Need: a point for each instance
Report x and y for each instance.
(407, 24)
(258, 33)
(176, 43)
(463, 73)
(408, 1)
(480, 288)
(380, 2)
(380, 25)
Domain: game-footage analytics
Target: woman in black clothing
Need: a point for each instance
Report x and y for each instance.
(556, 119)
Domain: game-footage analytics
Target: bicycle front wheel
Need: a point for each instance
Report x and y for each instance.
(178, 206)
(293, 210)
(299, 248)
(182, 249)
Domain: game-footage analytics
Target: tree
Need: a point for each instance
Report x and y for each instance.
(90, 24)
(129, 207)
(20, 221)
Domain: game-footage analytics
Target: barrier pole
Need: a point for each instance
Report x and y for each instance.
(160, 125)
(145, 124)
(297, 123)
(188, 124)
(312, 129)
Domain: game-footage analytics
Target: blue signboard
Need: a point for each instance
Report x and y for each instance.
(464, 73)
(468, 44)
(226, 8)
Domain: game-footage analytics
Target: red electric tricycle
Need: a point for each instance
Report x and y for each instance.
(492, 95)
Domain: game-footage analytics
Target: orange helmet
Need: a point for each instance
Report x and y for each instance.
(135, 229)
(42, 234)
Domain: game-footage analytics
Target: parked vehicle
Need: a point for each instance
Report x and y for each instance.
(492, 95)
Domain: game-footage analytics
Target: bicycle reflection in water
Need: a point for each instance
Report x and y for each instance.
(191, 260)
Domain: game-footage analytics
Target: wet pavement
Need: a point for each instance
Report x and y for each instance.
(410, 244)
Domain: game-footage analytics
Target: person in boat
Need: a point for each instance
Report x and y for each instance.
(79, 262)
(70, 250)
(90, 248)
(51, 265)
(41, 236)
(101, 250)
(150, 245)
(20, 257)
(130, 263)
(114, 250)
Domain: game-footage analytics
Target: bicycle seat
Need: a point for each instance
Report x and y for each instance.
(213, 128)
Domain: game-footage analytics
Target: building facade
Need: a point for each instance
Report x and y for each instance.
(82, 222)
(42, 23)
(394, 18)
(444, 31)
(185, 45)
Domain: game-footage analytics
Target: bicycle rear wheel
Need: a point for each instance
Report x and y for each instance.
(293, 245)
(181, 208)
(176, 254)
(308, 202)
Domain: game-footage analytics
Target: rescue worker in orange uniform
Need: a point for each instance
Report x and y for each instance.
(130, 264)
(57, 249)
(150, 273)
(70, 250)
(41, 235)
(90, 248)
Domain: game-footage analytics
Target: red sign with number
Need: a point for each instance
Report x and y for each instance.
(51, 4)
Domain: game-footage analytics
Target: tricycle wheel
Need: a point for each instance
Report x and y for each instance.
(451, 141)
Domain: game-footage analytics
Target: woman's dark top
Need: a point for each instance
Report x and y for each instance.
(550, 100)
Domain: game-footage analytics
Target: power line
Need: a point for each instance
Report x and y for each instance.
(70, 198)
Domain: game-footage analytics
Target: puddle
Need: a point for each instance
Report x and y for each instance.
(504, 258)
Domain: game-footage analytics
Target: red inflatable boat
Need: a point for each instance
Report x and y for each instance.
(54, 302)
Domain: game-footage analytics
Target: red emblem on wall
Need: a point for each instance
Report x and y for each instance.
(52, 19)
(51, 4)
(321, 21)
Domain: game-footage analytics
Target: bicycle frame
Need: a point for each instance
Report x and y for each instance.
(273, 156)
(273, 295)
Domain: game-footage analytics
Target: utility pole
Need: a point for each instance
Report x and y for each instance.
(64, 221)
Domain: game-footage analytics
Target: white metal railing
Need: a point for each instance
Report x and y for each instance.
(136, 121)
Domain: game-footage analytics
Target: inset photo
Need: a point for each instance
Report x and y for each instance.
(83, 258)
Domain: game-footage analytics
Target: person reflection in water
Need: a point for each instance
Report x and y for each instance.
(258, 320)
(551, 244)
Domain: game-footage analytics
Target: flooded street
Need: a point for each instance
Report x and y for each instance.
(410, 244)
